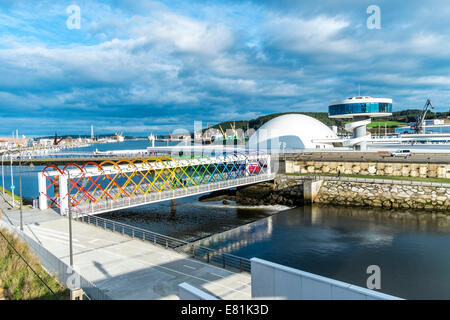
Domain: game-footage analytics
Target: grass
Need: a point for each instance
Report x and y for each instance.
(389, 124)
(16, 197)
(17, 281)
(439, 180)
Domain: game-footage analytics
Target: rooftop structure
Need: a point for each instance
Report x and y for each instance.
(360, 109)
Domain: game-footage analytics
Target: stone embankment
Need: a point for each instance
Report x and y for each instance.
(282, 191)
(386, 195)
(424, 170)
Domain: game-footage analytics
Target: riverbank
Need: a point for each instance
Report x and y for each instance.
(386, 195)
(284, 192)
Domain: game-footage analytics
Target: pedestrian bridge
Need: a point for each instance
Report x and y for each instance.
(94, 188)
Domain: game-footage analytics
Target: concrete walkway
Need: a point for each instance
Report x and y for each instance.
(126, 268)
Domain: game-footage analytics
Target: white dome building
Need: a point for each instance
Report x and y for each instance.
(293, 131)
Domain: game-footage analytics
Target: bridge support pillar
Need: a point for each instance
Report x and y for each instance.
(311, 189)
(42, 184)
(173, 207)
(269, 166)
(63, 195)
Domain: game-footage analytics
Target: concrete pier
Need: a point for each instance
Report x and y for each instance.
(311, 190)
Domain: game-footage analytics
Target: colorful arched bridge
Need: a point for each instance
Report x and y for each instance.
(93, 188)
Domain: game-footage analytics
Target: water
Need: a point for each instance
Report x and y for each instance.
(341, 243)
(191, 219)
(125, 145)
(29, 180)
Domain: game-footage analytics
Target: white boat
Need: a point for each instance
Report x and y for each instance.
(120, 137)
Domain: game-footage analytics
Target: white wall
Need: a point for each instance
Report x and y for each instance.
(275, 281)
(188, 292)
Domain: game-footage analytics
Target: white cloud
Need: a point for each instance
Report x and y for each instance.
(320, 33)
(189, 63)
(183, 33)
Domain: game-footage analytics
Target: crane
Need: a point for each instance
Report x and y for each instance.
(233, 128)
(419, 126)
(55, 140)
(223, 132)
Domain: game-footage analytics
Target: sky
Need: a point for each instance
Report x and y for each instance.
(148, 66)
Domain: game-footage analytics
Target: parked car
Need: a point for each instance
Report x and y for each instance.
(253, 167)
(401, 153)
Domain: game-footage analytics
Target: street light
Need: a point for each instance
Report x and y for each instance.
(12, 181)
(3, 177)
(20, 191)
(70, 220)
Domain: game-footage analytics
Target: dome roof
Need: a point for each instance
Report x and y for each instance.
(292, 131)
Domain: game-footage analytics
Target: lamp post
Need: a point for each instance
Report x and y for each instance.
(70, 219)
(20, 191)
(3, 176)
(12, 181)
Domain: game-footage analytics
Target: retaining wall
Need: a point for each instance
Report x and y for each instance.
(387, 195)
(188, 292)
(424, 170)
(274, 281)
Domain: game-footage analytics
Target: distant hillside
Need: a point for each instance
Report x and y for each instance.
(410, 115)
(258, 122)
(404, 116)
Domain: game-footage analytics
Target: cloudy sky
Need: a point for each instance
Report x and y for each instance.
(141, 66)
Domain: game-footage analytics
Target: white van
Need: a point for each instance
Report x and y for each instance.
(401, 153)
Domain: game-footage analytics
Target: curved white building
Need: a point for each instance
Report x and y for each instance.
(292, 131)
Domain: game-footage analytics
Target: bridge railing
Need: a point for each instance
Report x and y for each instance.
(221, 259)
(107, 205)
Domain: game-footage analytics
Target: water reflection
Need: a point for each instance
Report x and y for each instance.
(230, 241)
(189, 219)
(411, 248)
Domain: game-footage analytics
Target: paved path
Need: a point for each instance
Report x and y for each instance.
(126, 268)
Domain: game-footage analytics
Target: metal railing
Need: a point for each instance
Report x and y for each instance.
(224, 260)
(107, 205)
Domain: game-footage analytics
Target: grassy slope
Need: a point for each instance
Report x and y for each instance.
(17, 281)
(389, 124)
(16, 197)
